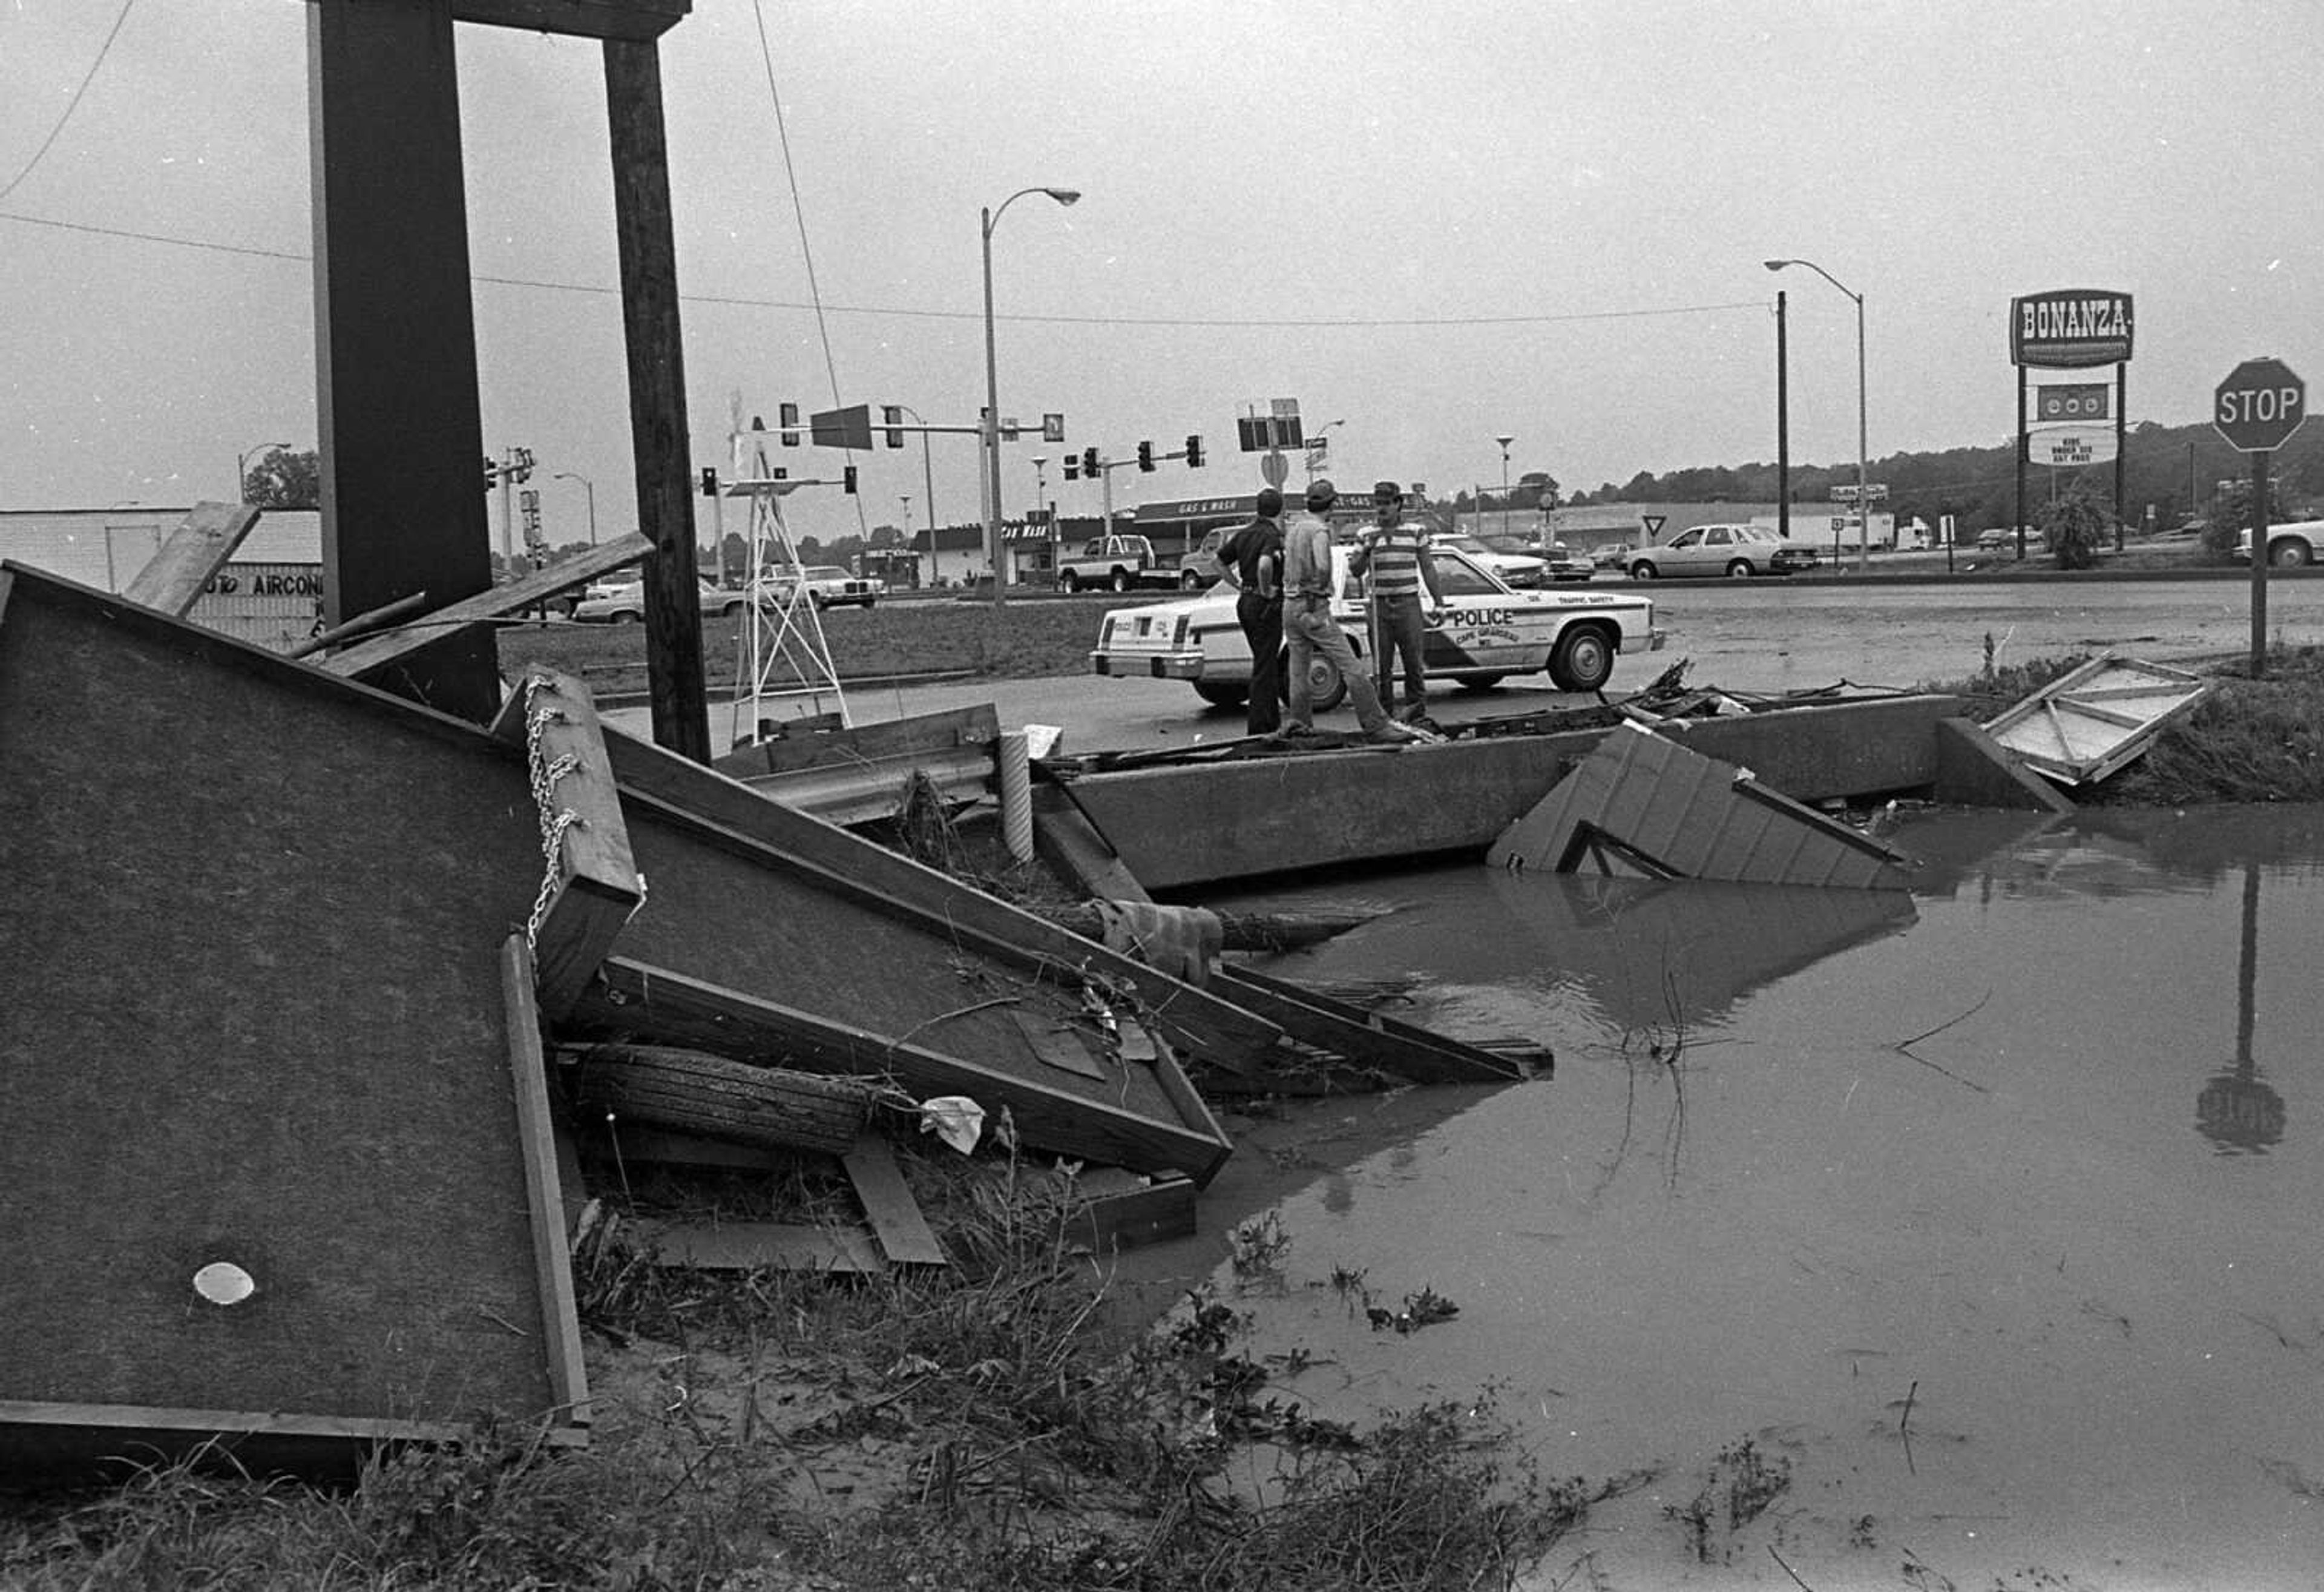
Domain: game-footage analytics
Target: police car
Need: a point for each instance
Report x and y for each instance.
(1484, 633)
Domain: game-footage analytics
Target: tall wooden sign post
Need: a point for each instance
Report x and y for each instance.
(401, 429)
(2257, 409)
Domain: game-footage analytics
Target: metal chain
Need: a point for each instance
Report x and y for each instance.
(554, 819)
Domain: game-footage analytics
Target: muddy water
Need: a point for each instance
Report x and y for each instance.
(1996, 1214)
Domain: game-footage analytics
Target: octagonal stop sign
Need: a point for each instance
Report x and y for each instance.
(2260, 405)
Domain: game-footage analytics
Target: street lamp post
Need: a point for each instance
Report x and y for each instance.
(1863, 497)
(1317, 450)
(590, 487)
(991, 217)
(241, 472)
(1505, 443)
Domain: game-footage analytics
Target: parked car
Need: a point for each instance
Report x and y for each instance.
(828, 586)
(1562, 562)
(1521, 570)
(1610, 555)
(1739, 551)
(1485, 631)
(1201, 568)
(624, 602)
(2289, 546)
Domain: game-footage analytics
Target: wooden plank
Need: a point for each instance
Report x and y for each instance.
(174, 578)
(662, 1004)
(1065, 838)
(591, 879)
(888, 1204)
(895, 740)
(1119, 1211)
(544, 1199)
(750, 1247)
(912, 892)
(1365, 1038)
(370, 656)
(586, 19)
(645, 240)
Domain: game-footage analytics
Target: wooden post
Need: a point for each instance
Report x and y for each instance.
(657, 430)
(396, 343)
(2259, 562)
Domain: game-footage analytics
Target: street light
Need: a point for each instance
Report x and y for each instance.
(1063, 196)
(242, 473)
(1863, 497)
(590, 487)
(1318, 450)
(1505, 443)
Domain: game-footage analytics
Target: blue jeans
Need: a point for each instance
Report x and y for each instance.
(1309, 629)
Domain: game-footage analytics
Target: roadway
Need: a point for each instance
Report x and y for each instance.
(1760, 636)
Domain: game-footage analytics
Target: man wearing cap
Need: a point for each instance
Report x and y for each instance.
(1394, 554)
(1309, 627)
(1252, 560)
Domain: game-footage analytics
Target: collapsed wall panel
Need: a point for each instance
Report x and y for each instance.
(259, 1137)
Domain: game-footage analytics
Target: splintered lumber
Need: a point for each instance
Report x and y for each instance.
(590, 884)
(174, 578)
(1367, 1038)
(1056, 1111)
(1245, 931)
(697, 1092)
(543, 1187)
(370, 656)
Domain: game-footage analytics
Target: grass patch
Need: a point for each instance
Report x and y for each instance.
(992, 1427)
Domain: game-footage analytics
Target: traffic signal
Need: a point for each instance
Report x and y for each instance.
(709, 482)
(1194, 451)
(521, 464)
(1089, 463)
(789, 416)
(1073, 466)
(892, 415)
(1146, 457)
(847, 478)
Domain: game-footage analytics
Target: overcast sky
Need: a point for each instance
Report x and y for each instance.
(1436, 224)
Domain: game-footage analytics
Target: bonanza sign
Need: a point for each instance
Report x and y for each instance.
(2069, 328)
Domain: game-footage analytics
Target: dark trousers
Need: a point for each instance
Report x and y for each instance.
(1399, 634)
(1261, 619)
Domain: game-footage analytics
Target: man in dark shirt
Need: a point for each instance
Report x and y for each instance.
(1253, 560)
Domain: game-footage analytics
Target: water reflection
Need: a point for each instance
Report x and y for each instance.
(2236, 1111)
(2107, 1323)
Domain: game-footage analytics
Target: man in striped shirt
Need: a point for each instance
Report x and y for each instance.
(1395, 553)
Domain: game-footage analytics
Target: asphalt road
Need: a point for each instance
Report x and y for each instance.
(1758, 636)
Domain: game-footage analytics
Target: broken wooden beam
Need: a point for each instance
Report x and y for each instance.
(369, 656)
(1276, 931)
(174, 579)
(1069, 1115)
(590, 884)
(1366, 1038)
(695, 1091)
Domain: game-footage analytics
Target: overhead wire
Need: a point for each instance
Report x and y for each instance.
(807, 252)
(74, 103)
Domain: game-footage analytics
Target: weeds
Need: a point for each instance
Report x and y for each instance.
(1741, 1485)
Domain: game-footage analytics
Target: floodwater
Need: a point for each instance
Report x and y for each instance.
(1996, 1214)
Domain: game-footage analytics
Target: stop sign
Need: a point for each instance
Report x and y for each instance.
(2260, 405)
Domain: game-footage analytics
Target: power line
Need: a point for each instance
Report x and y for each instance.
(736, 301)
(73, 104)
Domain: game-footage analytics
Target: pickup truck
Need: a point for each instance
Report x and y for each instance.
(1116, 564)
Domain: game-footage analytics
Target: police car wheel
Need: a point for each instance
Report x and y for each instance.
(1584, 660)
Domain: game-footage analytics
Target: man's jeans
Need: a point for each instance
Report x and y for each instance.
(1310, 630)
